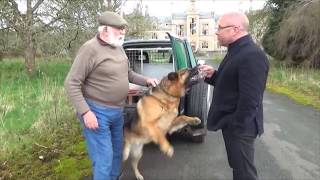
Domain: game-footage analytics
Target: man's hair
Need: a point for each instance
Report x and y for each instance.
(101, 28)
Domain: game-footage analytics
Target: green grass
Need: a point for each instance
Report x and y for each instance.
(74, 164)
(24, 98)
(218, 58)
(36, 119)
(299, 83)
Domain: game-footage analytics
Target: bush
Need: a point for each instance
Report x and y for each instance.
(298, 40)
(293, 34)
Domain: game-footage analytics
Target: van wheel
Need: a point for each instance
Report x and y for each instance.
(196, 103)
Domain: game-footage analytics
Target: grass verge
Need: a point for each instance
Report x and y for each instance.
(39, 135)
(298, 83)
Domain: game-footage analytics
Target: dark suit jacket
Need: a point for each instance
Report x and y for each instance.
(239, 84)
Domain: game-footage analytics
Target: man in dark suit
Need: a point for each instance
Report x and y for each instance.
(239, 84)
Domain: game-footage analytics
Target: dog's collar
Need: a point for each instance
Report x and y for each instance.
(166, 92)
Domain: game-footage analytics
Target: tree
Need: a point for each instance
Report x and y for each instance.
(139, 23)
(10, 45)
(276, 10)
(50, 16)
(298, 39)
(258, 24)
(293, 34)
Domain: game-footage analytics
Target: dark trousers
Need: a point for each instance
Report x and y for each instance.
(240, 152)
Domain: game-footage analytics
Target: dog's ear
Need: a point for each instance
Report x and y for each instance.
(173, 76)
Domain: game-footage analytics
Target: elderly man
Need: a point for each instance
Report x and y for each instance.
(239, 84)
(97, 86)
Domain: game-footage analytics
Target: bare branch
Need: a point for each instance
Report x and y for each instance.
(54, 20)
(13, 20)
(15, 7)
(35, 7)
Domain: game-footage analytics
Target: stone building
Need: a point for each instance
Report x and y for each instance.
(197, 27)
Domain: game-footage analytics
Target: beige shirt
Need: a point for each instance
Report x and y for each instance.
(101, 73)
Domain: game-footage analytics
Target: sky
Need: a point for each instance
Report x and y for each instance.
(164, 8)
(161, 8)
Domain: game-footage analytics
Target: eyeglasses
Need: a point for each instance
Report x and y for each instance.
(220, 28)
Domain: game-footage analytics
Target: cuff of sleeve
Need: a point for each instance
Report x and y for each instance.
(208, 80)
(83, 109)
(84, 113)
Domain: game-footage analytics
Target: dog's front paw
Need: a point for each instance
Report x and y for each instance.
(168, 150)
(195, 121)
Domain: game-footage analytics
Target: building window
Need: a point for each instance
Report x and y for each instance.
(154, 35)
(193, 26)
(204, 45)
(180, 30)
(205, 29)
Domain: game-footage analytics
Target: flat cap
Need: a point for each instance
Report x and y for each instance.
(112, 19)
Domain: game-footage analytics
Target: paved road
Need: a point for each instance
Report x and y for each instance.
(289, 149)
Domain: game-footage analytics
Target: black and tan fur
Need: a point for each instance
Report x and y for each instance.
(157, 116)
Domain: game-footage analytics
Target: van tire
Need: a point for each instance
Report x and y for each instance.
(196, 103)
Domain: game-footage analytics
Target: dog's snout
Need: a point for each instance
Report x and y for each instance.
(194, 77)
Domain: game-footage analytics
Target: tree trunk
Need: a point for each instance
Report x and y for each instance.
(29, 56)
(29, 53)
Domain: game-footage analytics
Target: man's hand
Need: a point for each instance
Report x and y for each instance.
(90, 120)
(207, 70)
(152, 82)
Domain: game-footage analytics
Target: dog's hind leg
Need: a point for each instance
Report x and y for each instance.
(126, 150)
(126, 146)
(136, 154)
(159, 137)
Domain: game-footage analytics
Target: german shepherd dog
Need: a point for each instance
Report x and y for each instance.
(158, 115)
